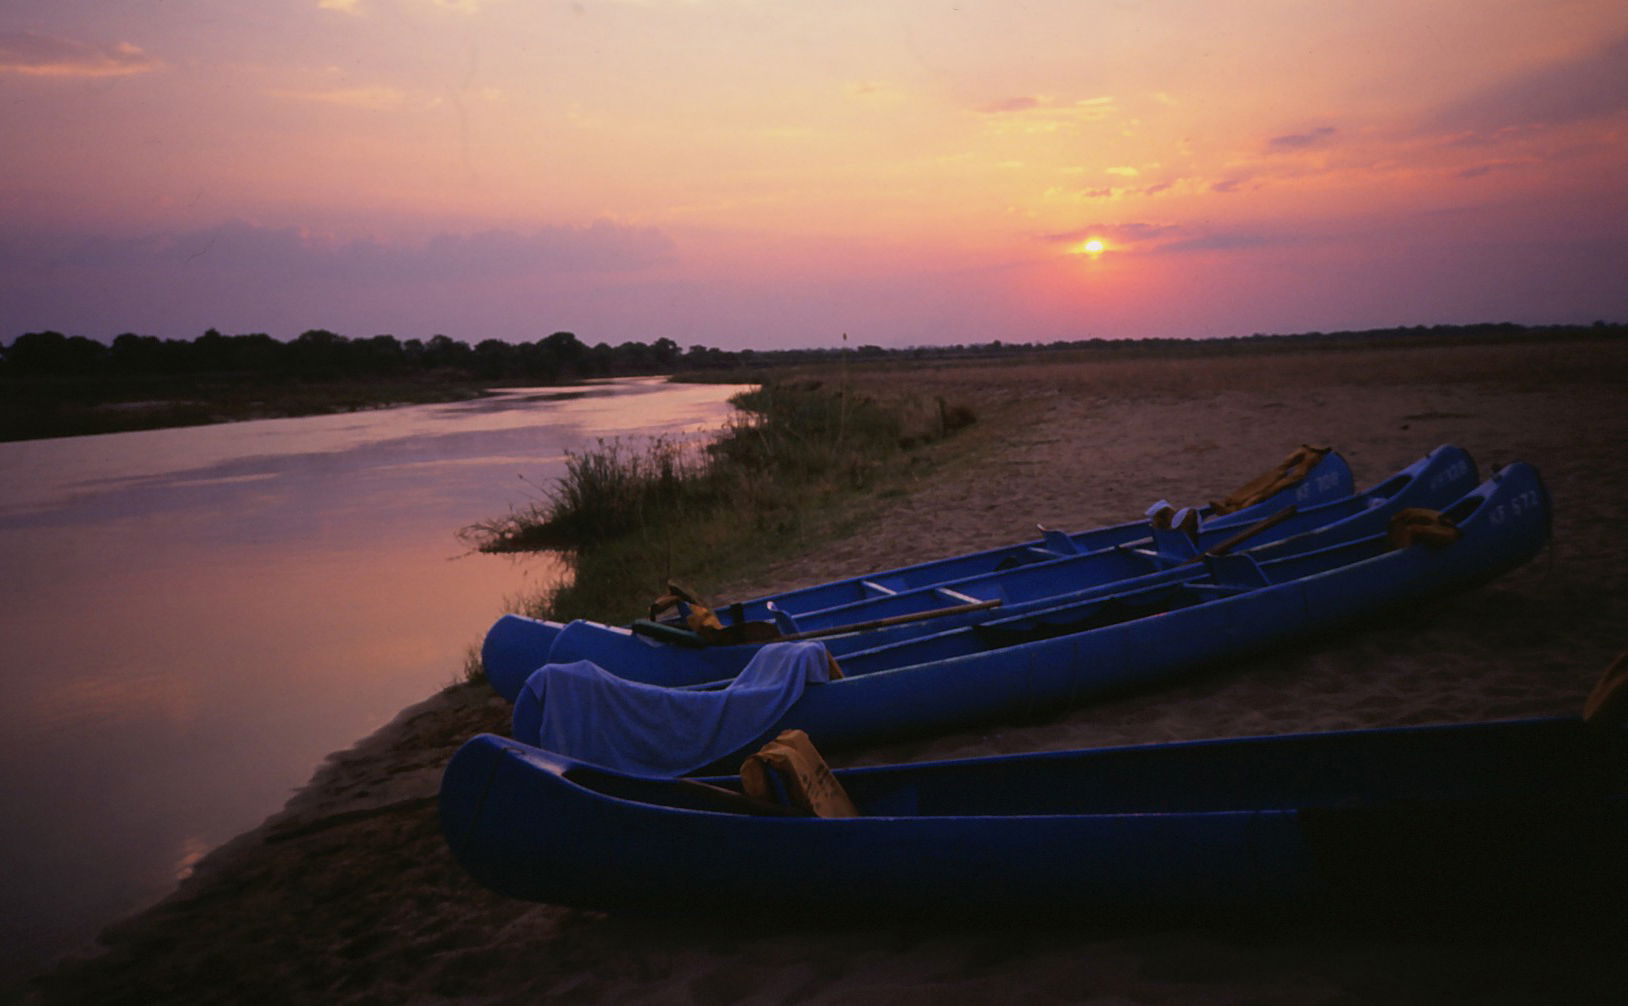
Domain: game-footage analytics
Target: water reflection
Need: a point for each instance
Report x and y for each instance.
(47, 475)
(192, 619)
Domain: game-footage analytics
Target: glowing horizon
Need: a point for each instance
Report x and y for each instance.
(741, 173)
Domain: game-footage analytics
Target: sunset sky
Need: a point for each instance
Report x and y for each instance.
(773, 173)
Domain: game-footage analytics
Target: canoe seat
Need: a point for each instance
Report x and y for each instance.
(1059, 542)
(783, 619)
(1236, 572)
(1175, 532)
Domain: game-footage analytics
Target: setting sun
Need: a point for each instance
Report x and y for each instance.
(1093, 247)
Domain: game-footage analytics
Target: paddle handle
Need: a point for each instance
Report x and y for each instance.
(882, 623)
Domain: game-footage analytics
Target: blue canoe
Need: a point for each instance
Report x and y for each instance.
(515, 645)
(1307, 477)
(1039, 662)
(1493, 814)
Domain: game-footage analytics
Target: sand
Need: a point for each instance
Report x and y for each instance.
(348, 895)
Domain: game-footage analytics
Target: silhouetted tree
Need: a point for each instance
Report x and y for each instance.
(139, 354)
(55, 354)
(666, 352)
(442, 351)
(318, 353)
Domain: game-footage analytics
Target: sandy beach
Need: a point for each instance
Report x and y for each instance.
(348, 895)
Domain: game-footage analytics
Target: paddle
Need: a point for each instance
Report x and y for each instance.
(1265, 524)
(883, 623)
(1607, 704)
(722, 799)
(722, 637)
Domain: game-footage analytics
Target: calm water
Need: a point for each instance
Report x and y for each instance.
(191, 619)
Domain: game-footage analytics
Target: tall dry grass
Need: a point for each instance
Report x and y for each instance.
(632, 516)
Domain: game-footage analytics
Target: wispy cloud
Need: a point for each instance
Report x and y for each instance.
(37, 55)
(290, 252)
(1170, 239)
(372, 98)
(1042, 114)
(1491, 167)
(1300, 141)
(356, 6)
(1226, 241)
(1122, 235)
(871, 90)
(1588, 86)
(1173, 185)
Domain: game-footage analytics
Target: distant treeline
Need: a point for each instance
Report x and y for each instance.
(323, 355)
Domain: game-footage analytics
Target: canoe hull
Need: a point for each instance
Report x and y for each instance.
(1494, 813)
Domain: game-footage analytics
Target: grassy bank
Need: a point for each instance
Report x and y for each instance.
(790, 467)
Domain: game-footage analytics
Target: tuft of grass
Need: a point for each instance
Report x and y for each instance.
(631, 517)
(606, 492)
(474, 670)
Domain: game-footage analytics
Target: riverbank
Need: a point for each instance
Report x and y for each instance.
(349, 895)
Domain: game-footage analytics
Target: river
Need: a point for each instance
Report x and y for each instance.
(191, 619)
